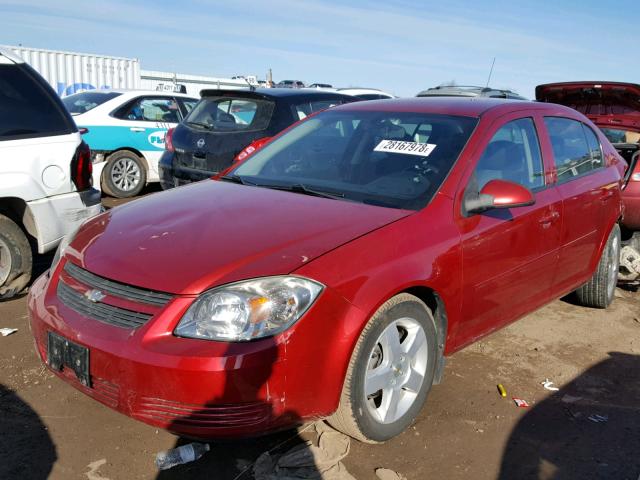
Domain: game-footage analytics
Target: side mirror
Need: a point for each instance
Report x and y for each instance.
(499, 194)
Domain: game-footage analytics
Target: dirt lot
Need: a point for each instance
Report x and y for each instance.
(466, 430)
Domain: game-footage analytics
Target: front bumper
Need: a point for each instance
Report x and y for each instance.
(199, 388)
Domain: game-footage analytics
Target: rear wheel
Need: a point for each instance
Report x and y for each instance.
(390, 373)
(124, 175)
(599, 291)
(15, 258)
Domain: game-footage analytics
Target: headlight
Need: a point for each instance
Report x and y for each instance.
(247, 310)
(64, 243)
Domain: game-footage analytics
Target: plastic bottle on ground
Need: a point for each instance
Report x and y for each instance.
(178, 456)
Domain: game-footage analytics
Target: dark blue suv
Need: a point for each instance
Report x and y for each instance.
(226, 121)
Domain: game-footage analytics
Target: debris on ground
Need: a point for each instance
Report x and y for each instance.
(386, 474)
(7, 331)
(520, 402)
(178, 456)
(501, 390)
(93, 467)
(308, 461)
(599, 418)
(629, 264)
(547, 384)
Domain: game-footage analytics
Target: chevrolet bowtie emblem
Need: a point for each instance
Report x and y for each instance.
(94, 295)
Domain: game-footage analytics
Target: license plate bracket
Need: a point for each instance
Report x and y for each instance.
(62, 352)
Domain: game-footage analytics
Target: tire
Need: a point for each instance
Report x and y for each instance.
(599, 291)
(372, 418)
(16, 259)
(124, 175)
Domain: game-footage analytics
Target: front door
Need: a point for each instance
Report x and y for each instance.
(509, 255)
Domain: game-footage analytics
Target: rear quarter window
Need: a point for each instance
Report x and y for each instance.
(28, 107)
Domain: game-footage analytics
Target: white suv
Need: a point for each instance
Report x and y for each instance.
(45, 172)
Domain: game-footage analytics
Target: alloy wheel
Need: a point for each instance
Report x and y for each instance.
(125, 174)
(396, 369)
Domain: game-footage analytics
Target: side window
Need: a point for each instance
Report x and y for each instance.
(149, 109)
(27, 110)
(512, 154)
(594, 147)
(572, 154)
(304, 109)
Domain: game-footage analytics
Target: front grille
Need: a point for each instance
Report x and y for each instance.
(100, 311)
(121, 290)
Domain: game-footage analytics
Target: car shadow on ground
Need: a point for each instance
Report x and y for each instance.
(590, 428)
(234, 459)
(20, 430)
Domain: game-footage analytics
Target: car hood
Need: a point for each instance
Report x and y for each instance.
(189, 239)
(607, 104)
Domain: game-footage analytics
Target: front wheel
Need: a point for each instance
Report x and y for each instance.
(599, 291)
(390, 373)
(124, 175)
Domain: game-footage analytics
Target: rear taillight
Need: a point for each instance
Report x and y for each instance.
(168, 141)
(251, 148)
(82, 168)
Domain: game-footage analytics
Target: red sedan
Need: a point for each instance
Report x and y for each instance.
(331, 272)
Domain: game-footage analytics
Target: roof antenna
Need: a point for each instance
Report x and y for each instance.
(490, 72)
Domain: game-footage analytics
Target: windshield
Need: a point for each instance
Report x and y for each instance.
(231, 114)
(621, 136)
(396, 160)
(80, 103)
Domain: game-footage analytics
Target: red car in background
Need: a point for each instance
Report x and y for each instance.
(330, 272)
(615, 108)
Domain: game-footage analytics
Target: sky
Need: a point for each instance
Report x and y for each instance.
(400, 46)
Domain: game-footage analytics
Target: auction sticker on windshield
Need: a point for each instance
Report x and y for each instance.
(409, 148)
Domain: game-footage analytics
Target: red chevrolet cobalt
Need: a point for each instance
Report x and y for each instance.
(329, 274)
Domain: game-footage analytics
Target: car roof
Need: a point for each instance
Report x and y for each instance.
(467, 91)
(461, 106)
(139, 92)
(271, 93)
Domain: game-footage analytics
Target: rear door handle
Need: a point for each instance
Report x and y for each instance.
(137, 129)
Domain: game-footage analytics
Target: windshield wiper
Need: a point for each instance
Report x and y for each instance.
(235, 178)
(206, 126)
(301, 188)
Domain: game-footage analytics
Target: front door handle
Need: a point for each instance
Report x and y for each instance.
(549, 219)
(137, 129)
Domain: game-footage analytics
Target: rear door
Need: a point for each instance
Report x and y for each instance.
(588, 192)
(509, 255)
